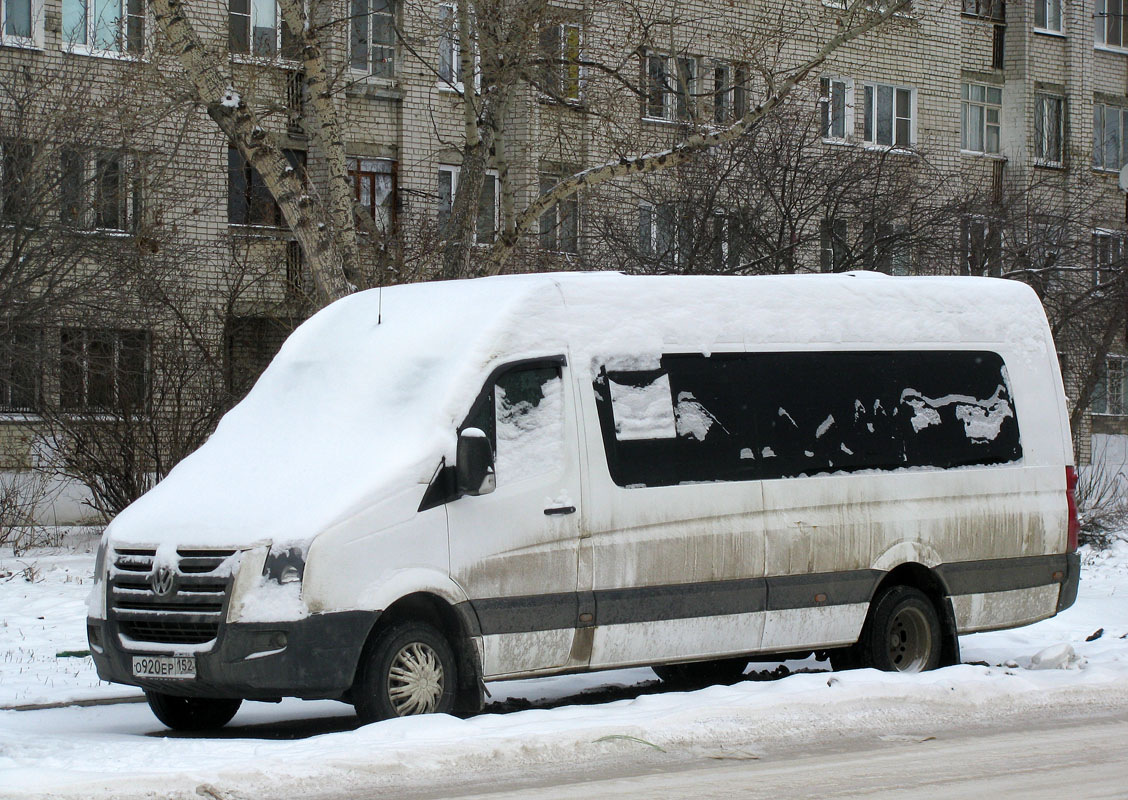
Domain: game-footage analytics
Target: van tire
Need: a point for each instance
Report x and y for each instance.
(409, 668)
(902, 634)
(702, 673)
(191, 713)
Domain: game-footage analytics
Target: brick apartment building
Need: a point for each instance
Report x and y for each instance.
(184, 244)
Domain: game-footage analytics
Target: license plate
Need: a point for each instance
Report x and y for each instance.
(175, 667)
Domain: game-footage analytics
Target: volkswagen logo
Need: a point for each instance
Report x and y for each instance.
(162, 581)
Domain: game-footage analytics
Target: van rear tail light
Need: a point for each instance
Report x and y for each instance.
(1071, 497)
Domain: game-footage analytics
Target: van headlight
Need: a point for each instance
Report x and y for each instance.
(284, 565)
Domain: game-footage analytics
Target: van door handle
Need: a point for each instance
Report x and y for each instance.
(560, 510)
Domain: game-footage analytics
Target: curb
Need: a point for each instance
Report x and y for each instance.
(96, 701)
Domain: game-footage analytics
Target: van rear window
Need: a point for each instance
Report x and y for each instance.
(757, 416)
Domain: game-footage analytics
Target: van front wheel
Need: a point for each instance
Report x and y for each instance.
(902, 633)
(409, 669)
(191, 713)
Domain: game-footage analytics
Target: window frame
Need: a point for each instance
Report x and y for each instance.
(130, 46)
(455, 170)
(83, 199)
(353, 166)
(990, 255)
(562, 73)
(1101, 146)
(1102, 17)
(1047, 9)
(559, 223)
(871, 123)
(249, 175)
(993, 10)
(369, 18)
(828, 108)
(1101, 403)
(1109, 249)
(967, 103)
(1043, 136)
(14, 358)
(677, 106)
(82, 363)
(34, 39)
(284, 40)
(834, 249)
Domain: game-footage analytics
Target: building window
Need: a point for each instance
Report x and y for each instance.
(373, 39)
(106, 25)
(836, 105)
(485, 228)
(21, 369)
(18, 22)
(1110, 391)
(671, 87)
(560, 49)
(1108, 23)
(99, 191)
(1108, 256)
(834, 252)
(102, 369)
(667, 234)
(986, 9)
(16, 177)
(981, 247)
(450, 59)
(559, 226)
(256, 28)
(730, 92)
(1049, 116)
(980, 112)
(1110, 146)
(374, 188)
(249, 202)
(1047, 15)
(888, 115)
(887, 248)
(727, 241)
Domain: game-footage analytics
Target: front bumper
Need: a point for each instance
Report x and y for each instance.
(311, 658)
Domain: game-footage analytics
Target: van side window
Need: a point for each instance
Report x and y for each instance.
(528, 423)
(755, 416)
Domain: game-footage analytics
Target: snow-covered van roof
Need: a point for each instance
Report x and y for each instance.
(350, 409)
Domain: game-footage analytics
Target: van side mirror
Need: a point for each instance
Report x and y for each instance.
(474, 468)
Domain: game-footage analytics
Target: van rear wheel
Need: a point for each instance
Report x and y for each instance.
(902, 634)
(191, 713)
(408, 669)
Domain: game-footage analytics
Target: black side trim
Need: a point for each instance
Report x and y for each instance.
(778, 593)
(1068, 595)
(543, 612)
(1002, 574)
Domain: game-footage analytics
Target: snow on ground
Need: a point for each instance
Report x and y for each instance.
(111, 751)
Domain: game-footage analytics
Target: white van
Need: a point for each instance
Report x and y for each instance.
(477, 480)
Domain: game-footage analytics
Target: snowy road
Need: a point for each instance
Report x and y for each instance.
(1080, 758)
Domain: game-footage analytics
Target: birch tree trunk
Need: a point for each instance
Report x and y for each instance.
(213, 83)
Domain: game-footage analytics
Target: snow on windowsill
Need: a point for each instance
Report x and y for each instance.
(94, 52)
(981, 154)
(265, 61)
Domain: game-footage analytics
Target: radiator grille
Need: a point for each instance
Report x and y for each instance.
(179, 603)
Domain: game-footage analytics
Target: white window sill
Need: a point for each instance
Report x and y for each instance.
(984, 155)
(896, 149)
(665, 121)
(1049, 164)
(450, 88)
(265, 61)
(1108, 48)
(1051, 32)
(838, 141)
(20, 416)
(112, 233)
(114, 55)
(1109, 171)
(252, 231)
(360, 76)
(20, 43)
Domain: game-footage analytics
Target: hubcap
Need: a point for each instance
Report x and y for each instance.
(415, 680)
(910, 641)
